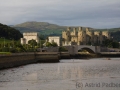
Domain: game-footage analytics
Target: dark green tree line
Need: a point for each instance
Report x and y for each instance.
(9, 33)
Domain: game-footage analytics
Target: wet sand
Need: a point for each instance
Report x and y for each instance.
(69, 74)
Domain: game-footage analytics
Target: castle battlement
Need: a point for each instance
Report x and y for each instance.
(30, 33)
(83, 37)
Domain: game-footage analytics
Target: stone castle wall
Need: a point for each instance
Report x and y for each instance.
(83, 37)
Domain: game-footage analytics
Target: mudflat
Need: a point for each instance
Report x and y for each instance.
(68, 74)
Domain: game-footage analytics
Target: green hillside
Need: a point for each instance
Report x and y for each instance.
(43, 28)
(37, 26)
(48, 29)
(9, 33)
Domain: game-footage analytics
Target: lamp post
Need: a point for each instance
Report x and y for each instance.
(40, 43)
(13, 42)
(4, 41)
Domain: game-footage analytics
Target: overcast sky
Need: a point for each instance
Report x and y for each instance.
(90, 13)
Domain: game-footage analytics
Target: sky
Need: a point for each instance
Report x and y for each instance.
(87, 13)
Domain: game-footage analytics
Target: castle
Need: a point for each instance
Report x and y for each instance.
(79, 36)
(29, 36)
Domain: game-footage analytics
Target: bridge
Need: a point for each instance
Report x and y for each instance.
(91, 49)
(75, 48)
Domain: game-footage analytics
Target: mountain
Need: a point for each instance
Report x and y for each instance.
(37, 26)
(48, 29)
(43, 28)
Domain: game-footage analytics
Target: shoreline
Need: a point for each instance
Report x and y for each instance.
(19, 59)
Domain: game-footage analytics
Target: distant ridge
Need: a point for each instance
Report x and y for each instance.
(37, 26)
(49, 29)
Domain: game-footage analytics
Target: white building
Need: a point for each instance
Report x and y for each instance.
(29, 36)
(55, 39)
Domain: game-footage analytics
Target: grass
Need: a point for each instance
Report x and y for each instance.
(6, 40)
(6, 53)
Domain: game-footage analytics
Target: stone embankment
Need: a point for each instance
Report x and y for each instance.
(110, 54)
(17, 59)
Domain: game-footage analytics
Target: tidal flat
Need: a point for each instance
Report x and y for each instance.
(68, 74)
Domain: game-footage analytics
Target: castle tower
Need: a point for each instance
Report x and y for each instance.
(81, 37)
(74, 37)
(98, 37)
(87, 29)
(89, 36)
(66, 37)
(79, 28)
(74, 32)
(106, 34)
(68, 28)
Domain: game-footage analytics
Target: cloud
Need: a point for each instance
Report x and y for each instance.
(92, 13)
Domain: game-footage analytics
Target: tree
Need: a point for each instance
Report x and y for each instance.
(48, 44)
(32, 42)
(8, 32)
(111, 43)
(115, 44)
(54, 44)
(62, 49)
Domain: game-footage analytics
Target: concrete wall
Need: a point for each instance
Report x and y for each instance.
(47, 56)
(113, 49)
(16, 60)
(13, 60)
(51, 49)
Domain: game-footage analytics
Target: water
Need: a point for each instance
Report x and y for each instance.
(71, 74)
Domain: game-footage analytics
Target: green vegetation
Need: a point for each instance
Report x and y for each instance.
(32, 43)
(10, 46)
(37, 26)
(116, 35)
(62, 49)
(9, 37)
(9, 33)
(48, 29)
(111, 43)
(53, 44)
(15, 46)
(5, 53)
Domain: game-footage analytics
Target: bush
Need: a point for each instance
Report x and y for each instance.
(62, 49)
(5, 49)
(13, 50)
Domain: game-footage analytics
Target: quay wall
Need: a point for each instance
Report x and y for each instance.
(18, 59)
(109, 54)
(64, 55)
(47, 57)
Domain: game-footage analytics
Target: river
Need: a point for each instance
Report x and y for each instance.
(68, 74)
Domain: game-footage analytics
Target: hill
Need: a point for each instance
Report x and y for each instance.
(37, 26)
(43, 28)
(9, 32)
(48, 29)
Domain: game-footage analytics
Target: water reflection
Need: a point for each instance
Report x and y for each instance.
(62, 76)
(30, 77)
